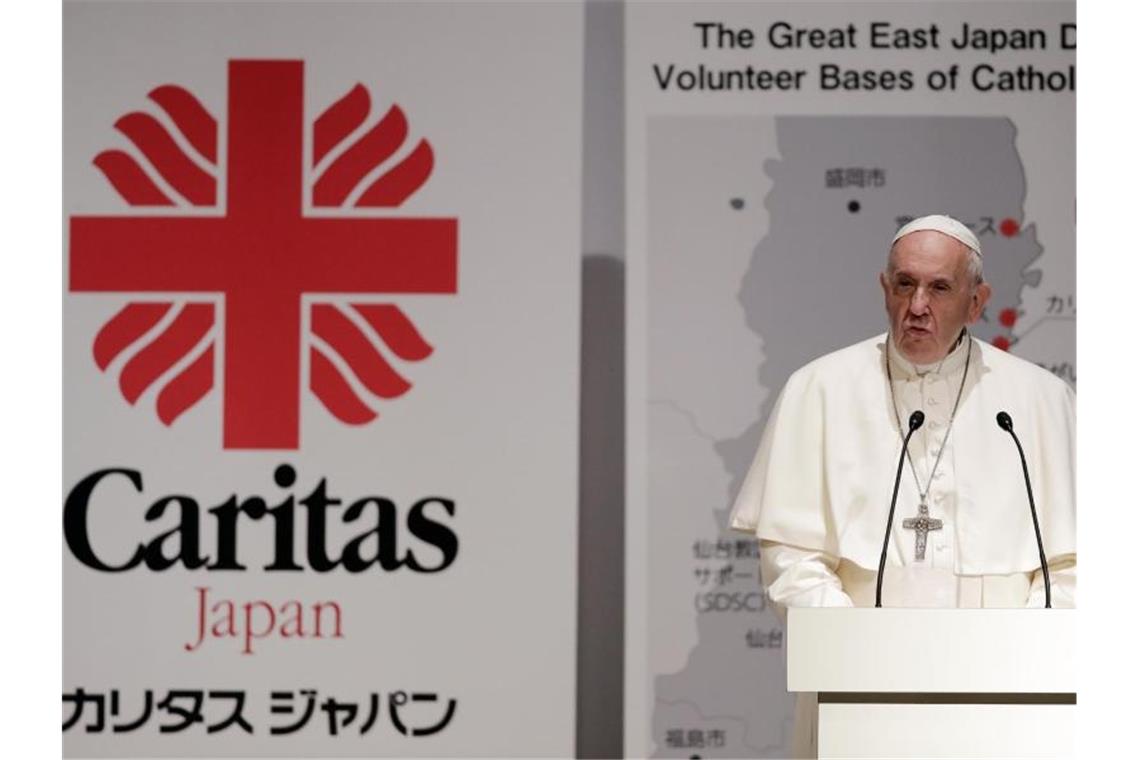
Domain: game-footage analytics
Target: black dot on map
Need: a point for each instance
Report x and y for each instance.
(853, 207)
(737, 203)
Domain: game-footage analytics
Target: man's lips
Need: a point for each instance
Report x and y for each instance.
(915, 331)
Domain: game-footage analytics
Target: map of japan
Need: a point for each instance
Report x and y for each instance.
(766, 235)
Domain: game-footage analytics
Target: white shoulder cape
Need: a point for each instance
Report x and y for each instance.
(823, 474)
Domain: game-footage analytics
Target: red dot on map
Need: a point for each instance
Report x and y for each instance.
(1008, 317)
(1001, 342)
(1010, 227)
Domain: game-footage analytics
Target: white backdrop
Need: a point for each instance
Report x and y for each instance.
(486, 436)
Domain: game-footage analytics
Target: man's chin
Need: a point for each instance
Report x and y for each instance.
(919, 350)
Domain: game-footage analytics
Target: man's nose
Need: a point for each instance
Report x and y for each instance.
(919, 302)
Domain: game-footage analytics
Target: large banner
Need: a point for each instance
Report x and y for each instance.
(772, 150)
(320, 407)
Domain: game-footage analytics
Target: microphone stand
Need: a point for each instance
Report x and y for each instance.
(1005, 422)
(915, 422)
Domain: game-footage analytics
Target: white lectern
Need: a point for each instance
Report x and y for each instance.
(934, 683)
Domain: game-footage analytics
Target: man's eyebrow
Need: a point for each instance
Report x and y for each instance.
(939, 280)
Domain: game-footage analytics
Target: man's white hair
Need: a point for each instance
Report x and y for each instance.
(974, 267)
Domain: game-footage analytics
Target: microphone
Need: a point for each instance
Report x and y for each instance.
(1005, 422)
(915, 422)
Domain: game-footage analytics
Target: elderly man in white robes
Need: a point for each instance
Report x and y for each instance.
(819, 489)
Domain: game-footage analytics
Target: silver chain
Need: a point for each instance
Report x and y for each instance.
(894, 406)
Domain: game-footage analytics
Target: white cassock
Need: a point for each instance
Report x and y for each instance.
(819, 490)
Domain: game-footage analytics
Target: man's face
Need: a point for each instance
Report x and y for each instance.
(930, 295)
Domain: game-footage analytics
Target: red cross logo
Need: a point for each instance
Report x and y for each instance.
(262, 254)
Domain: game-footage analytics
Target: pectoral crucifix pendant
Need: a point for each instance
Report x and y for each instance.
(921, 525)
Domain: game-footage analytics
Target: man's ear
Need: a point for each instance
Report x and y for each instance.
(981, 297)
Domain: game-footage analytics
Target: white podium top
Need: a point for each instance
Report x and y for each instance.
(932, 650)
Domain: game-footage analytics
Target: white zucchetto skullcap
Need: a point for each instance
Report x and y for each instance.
(941, 223)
